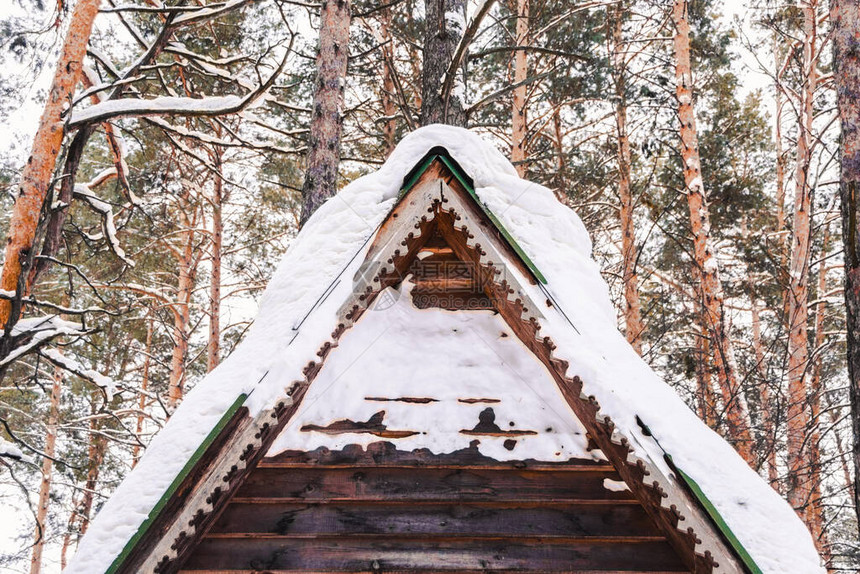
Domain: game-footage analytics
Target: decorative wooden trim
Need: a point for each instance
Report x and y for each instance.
(473, 238)
(461, 224)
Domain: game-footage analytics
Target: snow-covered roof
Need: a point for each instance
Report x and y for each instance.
(315, 278)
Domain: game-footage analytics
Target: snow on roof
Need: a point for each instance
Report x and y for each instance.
(298, 311)
(377, 360)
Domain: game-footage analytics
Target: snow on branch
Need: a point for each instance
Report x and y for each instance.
(209, 12)
(172, 105)
(10, 450)
(213, 105)
(69, 364)
(213, 140)
(32, 333)
(84, 191)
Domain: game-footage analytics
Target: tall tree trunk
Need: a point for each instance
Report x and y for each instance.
(37, 173)
(707, 402)
(327, 119)
(558, 144)
(845, 20)
(67, 537)
(632, 309)
(182, 307)
(835, 415)
(706, 263)
(213, 348)
(797, 414)
(95, 457)
(389, 105)
(47, 469)
(144, 387)
(764, 395)
(780, 153)
(444, 24)
(518, 110)
(815, 510)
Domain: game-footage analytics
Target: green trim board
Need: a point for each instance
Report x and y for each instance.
(174, 486)
(442, 155)
(716, 518)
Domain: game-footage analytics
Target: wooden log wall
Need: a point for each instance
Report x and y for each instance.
(394, 511)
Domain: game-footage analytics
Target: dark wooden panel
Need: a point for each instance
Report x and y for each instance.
(386, 554)
(397, 571)
(428, 484)
(428, 519)
(390, 571)
(384, 453)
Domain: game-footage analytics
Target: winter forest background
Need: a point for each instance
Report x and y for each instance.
(152, 253)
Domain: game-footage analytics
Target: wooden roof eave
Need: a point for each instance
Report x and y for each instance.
(438, 164)
(167, 546)
(672, 508)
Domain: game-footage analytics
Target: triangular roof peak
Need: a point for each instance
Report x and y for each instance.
(508, 228)
(438, 164)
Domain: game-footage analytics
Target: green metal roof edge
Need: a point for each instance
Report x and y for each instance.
(700, 496)
(717, 518)
(457, 171)
(174, 486)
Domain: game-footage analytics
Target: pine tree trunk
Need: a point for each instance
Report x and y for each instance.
(632, 310)
(327, 116)
(558, 144)
(835, 416)
(780, 154)
(707, 402)
(764, 396)
(67, 537)
(213, 348)
(706, 263)
(95, 457)
(797, 414)
(37, 173)
(144, 386)
(389, 108)
(182, 308)
(444, 24)
(47, 469)
(845, 20)
(815, 510)
(518, 110)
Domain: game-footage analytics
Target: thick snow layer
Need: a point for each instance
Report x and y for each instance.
(10, 450)
(156, 106)
(298, 312)
(70, 364)
(40, 330)
(401, 351)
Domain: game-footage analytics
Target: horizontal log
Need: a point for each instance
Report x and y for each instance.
(386, 453)
(508, 502)
(428, 484)
(460, 571)
(354, 555)
(609, 520)
(271, 463)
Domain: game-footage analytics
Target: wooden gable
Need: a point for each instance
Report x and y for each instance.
(386, 510)
(389, 510)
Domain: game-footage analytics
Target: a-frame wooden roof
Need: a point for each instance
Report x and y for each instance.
(438, 199)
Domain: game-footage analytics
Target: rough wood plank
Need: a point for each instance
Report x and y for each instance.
(384, 453)
(186, 490)
(429, 484)
(344, 554)
(436, 519)
(461, 571)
